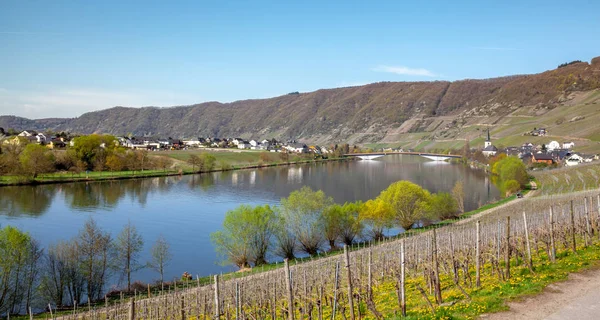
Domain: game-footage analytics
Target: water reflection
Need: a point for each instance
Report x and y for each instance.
(26, 200)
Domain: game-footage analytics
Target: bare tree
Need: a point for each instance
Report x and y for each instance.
(161, 255)
(458, 193)
(128, 246)
(95, 250)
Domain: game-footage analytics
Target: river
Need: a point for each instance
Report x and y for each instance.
(186, 209)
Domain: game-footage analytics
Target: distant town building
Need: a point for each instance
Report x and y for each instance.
(488, 148)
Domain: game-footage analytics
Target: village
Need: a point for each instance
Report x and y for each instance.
(553, 153)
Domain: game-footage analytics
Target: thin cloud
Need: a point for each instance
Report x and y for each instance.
(406, 71)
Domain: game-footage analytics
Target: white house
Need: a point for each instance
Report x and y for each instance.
(574, 160)
(553, 145)
(26, 133)
(243, 145)
(568, 145)
(254, 143)
(237, 141)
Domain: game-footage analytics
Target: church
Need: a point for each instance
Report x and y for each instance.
(488, 148)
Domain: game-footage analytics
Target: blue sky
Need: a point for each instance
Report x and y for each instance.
(64, 58)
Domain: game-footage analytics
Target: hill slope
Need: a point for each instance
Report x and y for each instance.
(380, 112)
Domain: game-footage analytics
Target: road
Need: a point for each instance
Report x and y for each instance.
(576, 298)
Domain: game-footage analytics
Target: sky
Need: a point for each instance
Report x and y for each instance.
(65, 58)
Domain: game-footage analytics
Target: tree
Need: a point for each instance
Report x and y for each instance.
(128, 246)
(207, 162)
(164, 162)
(36, 159)
(378, 216)
(511, 168)
(246, 235)
(284, 156)
(342, 223)
(18, 269)
(458, 193)
(285, 241)
(115, 162)
(511, 187)
(302, 211)
(194, 161)
(407, 201)
(466, 151)
(95, 249)
(88, 148)
(442, 206)
(161, 256)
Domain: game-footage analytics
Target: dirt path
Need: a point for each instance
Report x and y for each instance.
(576, 298)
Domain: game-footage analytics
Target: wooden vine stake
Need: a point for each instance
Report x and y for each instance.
(507, 252)
(477, 256)
(132, 309)
(349, 274)
(552, 242)
(402, 279)
(217, 306)
(290, 292)
(572, 213)
(436, 269)
(529, 259)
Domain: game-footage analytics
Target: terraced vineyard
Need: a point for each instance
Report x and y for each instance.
(569, 179)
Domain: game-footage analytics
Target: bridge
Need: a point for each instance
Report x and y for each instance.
(430, 156)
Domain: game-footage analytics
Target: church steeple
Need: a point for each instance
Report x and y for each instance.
(488, 141)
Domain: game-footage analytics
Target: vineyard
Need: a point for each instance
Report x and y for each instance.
(569, 179)
(457, 271)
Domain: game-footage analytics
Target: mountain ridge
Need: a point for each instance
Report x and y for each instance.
(357, 114)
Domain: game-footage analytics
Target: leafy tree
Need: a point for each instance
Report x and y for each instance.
(18, 269)
(207, 162)
(331, 228)
(225, 166)
(511, 168)
(442, 206)
(88, 148)
(194, 161)
(407, 201)
(36, 159)
(458, 193)
(246, 235)
(284, 156)
(511, 187)
(302, 211)
(285, 241)
(161, 255)
(95, 249)
(164, 162)
(128, 246)
(378, 216)
(115, 162)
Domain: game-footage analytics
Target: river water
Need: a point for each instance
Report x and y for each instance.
(186, 209)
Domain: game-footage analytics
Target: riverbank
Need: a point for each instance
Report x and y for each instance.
(67, 177)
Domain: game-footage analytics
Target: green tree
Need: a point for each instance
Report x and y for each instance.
(161, 256)
(89, 148)
(378, 216)
(246, 235)
(511, 168)
(115, 162)
(511, 187)
(442, 206)
(194, 161)
(331, 228)
(36, 159)
(18, 269)
(407, 201)
(129, 244)
(302, 211)
(207, 162)
(342, 223)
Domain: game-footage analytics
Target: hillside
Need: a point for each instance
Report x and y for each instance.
(416, 114)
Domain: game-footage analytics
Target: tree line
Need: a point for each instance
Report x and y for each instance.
(309, 222)
(92, 152)
(70, 272)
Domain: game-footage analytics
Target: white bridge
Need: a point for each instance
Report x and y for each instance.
(430, 156)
